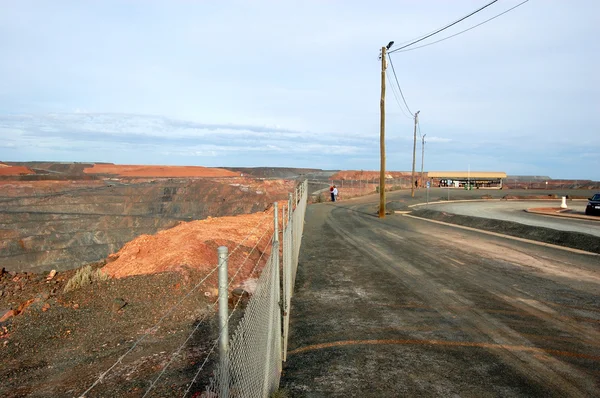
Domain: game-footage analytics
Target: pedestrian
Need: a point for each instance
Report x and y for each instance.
(335, 193)
(331, 193)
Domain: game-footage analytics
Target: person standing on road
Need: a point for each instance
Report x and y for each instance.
(334, 193)
(331, 193)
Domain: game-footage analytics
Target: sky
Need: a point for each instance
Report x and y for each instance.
(297, 84)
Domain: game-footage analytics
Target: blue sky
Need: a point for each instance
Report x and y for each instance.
(296, 84)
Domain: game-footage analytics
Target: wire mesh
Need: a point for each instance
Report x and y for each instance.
(251, 368)
(253, 363)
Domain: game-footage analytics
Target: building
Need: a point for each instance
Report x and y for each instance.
(466, 179)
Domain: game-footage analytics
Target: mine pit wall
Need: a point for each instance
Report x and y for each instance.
(66, 230)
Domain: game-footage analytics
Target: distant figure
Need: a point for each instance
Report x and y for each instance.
(331, 193)
(335, 193)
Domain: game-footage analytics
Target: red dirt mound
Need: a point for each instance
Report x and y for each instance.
(6, 170)
(159, 171)
(194, 245)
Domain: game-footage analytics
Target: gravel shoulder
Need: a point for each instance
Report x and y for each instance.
(575, 240)
(515, 211)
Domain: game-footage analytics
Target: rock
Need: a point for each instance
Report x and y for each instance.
(44, 295)
(45, 307)
(6, 314)
(239, 292)
(76, 306)
(51, 275)
(118, 304)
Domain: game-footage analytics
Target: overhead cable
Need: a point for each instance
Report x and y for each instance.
(400, 88)
(466, 30)
(396, 96)
(443, 28)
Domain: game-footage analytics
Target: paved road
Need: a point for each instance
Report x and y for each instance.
(514, 211)
(405, 307)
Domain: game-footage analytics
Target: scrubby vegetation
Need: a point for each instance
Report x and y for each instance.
(85, 276)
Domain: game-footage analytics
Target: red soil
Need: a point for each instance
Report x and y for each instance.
(159, 171)
(6, 170)
(194, 245)
(548, 209)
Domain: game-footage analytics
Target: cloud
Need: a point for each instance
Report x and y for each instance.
(437, 139)
(113, 132)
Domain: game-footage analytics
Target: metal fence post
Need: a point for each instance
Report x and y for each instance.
(277, 287)
(272, 304)
(223, 321)
(290, 208)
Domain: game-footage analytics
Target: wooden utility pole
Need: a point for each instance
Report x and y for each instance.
(412, 180)
(422, 155)
(382, 136)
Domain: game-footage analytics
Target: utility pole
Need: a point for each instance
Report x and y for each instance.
(412, 180)
(382, 132)
(422, 155)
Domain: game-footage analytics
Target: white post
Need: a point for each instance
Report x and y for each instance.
(223, 321)
(563, 205)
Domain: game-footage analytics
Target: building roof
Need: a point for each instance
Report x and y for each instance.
(466, 174)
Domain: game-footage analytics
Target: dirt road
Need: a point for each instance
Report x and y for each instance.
(406, 307)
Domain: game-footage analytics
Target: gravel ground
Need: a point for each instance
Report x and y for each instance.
(61, 343)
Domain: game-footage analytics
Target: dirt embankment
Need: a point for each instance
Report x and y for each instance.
(159, 171)
(573, 240)
(193, 245)
(6, 170)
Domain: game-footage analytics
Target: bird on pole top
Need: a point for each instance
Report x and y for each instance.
(390, 44)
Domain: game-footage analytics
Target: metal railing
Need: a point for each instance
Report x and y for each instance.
(250, 362)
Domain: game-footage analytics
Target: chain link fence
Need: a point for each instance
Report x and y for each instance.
(251, 366)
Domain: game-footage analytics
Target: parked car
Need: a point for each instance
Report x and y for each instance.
(593, 206)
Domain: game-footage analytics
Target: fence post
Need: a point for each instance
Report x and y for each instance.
(223, 321)
(277, 287)
(272, 304)
(283, 220)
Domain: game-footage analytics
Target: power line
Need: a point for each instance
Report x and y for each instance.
(396, 77)
(466, 30)
(444, 28)
(394, 90)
